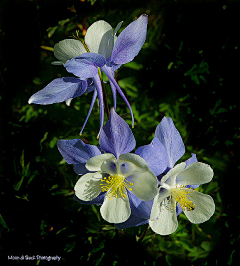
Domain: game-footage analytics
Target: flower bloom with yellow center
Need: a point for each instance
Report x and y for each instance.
(175, 192)
(116, 178)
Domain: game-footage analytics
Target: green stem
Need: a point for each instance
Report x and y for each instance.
(143, 235)
(106, 108)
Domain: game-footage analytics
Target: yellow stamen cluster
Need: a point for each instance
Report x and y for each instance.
(116, 185)
(179, 195)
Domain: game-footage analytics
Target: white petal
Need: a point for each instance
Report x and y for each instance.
(145, 185)
(161, 195)
(204, 208)
(68, 49)
(88, 186)
(195, 174)
(99, 38)
(137, 161)
(155, 211)
(166, 223)
(115, 210)
(172, 173)
(96, 162)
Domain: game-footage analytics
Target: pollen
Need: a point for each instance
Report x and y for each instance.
(115, 185)
(181, 196)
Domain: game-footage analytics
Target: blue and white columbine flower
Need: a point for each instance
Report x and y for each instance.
(101, 51)
(198, 207)
(176, 191)
(112, 175)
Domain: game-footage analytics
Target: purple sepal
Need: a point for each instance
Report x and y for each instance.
(155, 156)
(130, 41)
(192, 159)
(80, 169)
(170, 138)
(132, 221)
(75, 151)
(116, 136)
(86, 65)
(98, 200)
(59, 90)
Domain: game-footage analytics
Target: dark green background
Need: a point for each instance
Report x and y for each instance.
(188, 69)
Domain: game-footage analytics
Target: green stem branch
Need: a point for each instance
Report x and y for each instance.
(106, 108)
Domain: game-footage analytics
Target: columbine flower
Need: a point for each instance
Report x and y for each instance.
(112, 177)
(105, 52)
(173, 191)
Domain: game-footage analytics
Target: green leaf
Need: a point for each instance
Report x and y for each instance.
(211, 187)
(62, 22)
(31, 177)
(53, 142)
(191, 71)
(96, 212)
(22, 159)
(58, 232)
(51, 31)
(19, 184)
(99, 260)
(44, 137)
(25, 171)
(168, 260)
(3, 222)
(43, 225)
(69, 247)
(221, 110)
(134, 65)
(231, 258)
(92, 1)
(212, 111)
(195, 79)
(128, 84)
(206, 245)
(54, 187)
(101, 246)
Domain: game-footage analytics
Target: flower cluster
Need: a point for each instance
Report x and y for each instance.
(132, 188)
(141, 187)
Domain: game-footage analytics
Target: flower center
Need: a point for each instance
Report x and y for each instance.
(179, 195)
(116, 185)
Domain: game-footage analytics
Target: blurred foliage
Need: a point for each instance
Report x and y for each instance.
(185, 70)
